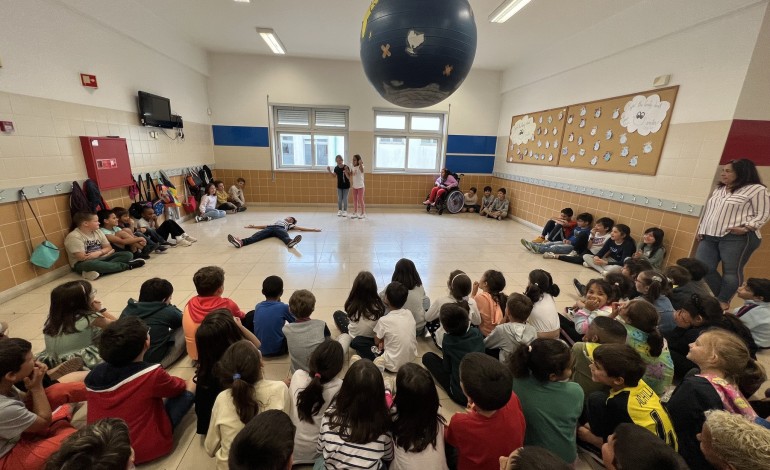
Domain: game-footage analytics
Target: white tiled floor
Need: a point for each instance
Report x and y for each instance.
(324, 263)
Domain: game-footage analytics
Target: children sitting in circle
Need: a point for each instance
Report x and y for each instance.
(610, 258)
(576, 241)
(557, 228)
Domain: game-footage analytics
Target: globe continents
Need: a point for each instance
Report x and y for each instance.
(417, 52)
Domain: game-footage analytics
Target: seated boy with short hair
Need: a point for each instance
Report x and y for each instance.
(267, 441)
(577, 240)
(394, 333)
(459, 340)
(755, 313)
(164, 320)
(210, 284)
(89, 251)
(603, 330)
(471, 201)
(126, 387)
(499, 207)
(630, 399)
(270, 316)
(494, 424)
(305, 334)
(515, 332)
(558, 228)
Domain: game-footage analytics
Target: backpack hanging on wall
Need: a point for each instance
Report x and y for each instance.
(194, 184)
(136, 207)
(157, 203)
(78, 200)
(95, 200)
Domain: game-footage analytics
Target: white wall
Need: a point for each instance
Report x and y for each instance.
(44, 46)
(240, 84)
(708, 58)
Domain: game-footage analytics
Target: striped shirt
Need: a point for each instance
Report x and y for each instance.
(748, 206)
(338, 453)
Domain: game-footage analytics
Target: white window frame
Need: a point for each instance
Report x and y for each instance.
(311, 129)
(408, 133)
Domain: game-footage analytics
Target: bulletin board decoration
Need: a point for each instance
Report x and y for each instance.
(536, 138)
(624, 134)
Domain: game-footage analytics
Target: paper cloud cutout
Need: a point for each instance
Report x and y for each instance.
(523, 130)
(644, 115)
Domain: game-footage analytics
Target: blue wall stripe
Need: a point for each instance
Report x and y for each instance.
(470, 163)
(241, 136)
(471, 144)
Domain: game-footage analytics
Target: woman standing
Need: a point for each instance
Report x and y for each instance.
(729, 230)
(342, 172)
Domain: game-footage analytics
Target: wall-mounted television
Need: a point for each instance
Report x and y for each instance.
(155, 111)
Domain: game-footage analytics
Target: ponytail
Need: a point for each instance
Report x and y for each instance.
(460, 287)
(496, 283)
(751, 379)
(239, 370)
(657, 284)
(540, 283)
(642, 315)
(655, 342)
(325, 363)
(541, 359)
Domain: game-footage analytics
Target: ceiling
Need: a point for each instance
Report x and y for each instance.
(330, 29)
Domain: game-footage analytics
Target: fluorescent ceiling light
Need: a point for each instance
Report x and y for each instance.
(506, 10)
(269, 36)
(242, 1)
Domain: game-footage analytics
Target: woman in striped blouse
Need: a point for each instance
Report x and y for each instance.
(729, 230)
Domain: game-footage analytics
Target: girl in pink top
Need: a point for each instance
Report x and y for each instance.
(491, 300)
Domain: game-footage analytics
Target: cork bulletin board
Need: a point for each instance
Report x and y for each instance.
(623, 134)
(536, 138)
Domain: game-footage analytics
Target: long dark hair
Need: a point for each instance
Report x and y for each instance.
(656, 283)
(239, 370)
(540, 283)
(363, 300)
(359, 412)
(496, 283)
(541, 358)
(642, 315)
(745, 174)
(325, 363)
(657, 235)
(416, 425)
(406, 274)
(70, 302)
(460, 287)
(215, 334)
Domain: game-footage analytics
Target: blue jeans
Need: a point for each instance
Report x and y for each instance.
(560, 248)
(342, 199)
(268, 232)
(215, 214)
(177, 407)
(733, 251)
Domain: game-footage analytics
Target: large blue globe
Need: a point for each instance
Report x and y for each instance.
(417, 52)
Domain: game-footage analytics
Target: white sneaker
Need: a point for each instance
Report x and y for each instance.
(90, 275)
(189, 238)
(182, 242)
(354, 216)
(344, 213)
(339, 213)
(362, 216)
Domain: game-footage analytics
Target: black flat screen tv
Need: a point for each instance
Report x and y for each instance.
(155, 111)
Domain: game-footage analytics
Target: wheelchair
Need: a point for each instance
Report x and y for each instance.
(453, 200)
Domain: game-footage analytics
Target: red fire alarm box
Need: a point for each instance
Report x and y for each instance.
(107, 161)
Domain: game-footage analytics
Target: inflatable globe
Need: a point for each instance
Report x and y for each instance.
(417, 52)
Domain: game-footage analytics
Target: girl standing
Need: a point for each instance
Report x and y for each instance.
(357, 178)
(544, 317)
(246, 394)
(651, 247)
(615, 250)
(550, 402)
(75, 321)
(311, 393)
(418, 428)
(460, 287)
(727, 375)
(207, 209)
(354, 430)
(364, 307)
(342, 172)
(491, 300)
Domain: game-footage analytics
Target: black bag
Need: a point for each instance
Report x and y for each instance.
(95, 200)
(194, 184)
(78, 200)
(164, 179)
(136, 207)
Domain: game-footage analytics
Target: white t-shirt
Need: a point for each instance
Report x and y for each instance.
(599, 241)
(544, 316)
(306, 437)
(397, 329)
(208, 203)
(357, 180)
(363, 327)
(430, 457)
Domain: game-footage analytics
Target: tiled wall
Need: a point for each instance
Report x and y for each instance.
(17, 224)
(320, 188)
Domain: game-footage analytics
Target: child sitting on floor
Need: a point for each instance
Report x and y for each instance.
(610, 258)
(126, 387)
(491, 299)
(515, 332)
(103, 444)
(651, 247)
(470, 201)
(487, 199)
(558, 228)
(120, 239)
(267, 441)
(494, 424)
(148, 224)
(598, 302)
(90, 253)
(682, 286)
(596, 239)
(603, 330)
(270, 316)
(755, 312)
(499, 207)
(394, 333)
(576, 241)
(460, 339)
(460, 287)
(304, 334)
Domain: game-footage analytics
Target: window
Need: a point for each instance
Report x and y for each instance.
(309, 138)
(409, 142)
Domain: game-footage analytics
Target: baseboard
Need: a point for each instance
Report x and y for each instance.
(25, 287)
(527, 223)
